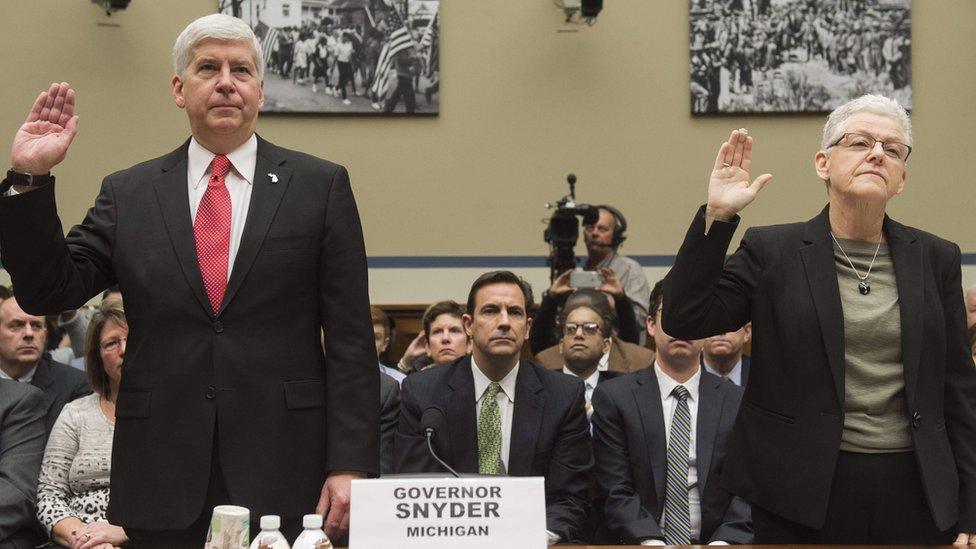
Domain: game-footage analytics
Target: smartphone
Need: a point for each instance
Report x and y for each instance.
(585, 279)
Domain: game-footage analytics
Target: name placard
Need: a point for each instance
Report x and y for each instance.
(489, 512)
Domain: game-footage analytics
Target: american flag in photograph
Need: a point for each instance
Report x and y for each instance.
(268, 37)
(399, 40)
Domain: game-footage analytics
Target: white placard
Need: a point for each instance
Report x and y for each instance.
(488, 512)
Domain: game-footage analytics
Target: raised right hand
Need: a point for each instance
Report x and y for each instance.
(560, 284)
(729, 190)
(43, 140)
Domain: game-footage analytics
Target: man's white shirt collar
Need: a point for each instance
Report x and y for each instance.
(667, 383)
(26, 378)
(243, 160)
(590, 381)
(481, 381)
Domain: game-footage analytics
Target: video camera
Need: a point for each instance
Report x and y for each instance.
(562, 231)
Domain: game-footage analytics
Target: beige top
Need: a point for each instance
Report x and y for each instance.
(875, 410)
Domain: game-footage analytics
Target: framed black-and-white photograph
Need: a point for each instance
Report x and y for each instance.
(346, 56)
(753, 56)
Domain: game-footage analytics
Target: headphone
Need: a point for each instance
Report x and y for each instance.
(620, 226)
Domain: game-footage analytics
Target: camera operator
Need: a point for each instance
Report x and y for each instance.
(603, 239)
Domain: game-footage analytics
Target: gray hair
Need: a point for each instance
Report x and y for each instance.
(216, 26)
(878, 104)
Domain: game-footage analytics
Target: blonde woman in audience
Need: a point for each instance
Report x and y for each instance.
(73, 491)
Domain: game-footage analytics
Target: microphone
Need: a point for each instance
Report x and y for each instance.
(434, 416)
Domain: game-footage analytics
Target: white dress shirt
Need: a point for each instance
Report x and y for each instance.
(239, 182)
(589, 383)
(734, 375)
(26, 378)
(506, 403)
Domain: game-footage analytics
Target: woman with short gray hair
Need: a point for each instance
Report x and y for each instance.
(857, 423)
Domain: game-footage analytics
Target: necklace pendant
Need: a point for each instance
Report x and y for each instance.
(864, 287)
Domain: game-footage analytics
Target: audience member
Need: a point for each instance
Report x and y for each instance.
(443, 340)
(22, 358)
(971, 306)
(722, 355)
(603, 240)
(502, 415)
(22, 410)
(659, 444)
(381, 336)
(544, 333)
(73, 490)
(621, 356)
(389, 417)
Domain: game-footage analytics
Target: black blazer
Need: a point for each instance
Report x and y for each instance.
(550, 435)
(61, 384)
(22, 437)
(630, 446)
(389, 416)
(785, 444)
(253, 374)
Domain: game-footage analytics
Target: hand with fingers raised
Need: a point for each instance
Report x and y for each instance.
(729, 189)
(43, 140)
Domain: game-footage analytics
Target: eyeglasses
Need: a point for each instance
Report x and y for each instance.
(862, 142)
(113, 345)
(589, 328)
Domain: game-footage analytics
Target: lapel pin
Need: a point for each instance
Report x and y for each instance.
(274, 177)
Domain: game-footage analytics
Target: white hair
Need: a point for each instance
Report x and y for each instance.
(216, 26)
(878, 104)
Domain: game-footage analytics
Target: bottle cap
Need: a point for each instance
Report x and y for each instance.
(312, 521)
(270, 522)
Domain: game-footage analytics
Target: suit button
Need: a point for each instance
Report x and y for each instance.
(916, 420)
(211, 392)
(218, 327)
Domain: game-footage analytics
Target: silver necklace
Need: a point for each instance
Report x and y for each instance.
(863, 286)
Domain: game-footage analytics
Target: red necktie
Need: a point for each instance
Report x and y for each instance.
(212, 232)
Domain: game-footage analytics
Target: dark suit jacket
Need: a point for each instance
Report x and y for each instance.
(389, 416)
(254, 374)
(787, 438)
(630, 446)
(22, 437)
(550, 435)
(61, 384)
(624, 357)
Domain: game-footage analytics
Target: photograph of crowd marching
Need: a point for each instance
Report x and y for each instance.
(797, 55)
(346, 56)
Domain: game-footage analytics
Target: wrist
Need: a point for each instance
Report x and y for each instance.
(719, 213)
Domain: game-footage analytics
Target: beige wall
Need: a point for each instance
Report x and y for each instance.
(521, 106)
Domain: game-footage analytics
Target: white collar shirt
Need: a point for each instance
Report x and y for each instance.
(506, 403)
(589, 383)
(239, 182)
(735, 375)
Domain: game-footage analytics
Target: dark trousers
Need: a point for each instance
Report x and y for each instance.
(404, 89)
(345, 77)
(874, 499)
(195, 534)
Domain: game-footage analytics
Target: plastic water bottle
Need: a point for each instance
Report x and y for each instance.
(312, 537)
(270, 536)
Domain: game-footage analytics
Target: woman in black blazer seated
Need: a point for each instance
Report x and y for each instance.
(857, 425)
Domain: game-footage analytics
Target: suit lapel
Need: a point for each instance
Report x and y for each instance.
(710, 401)
(526, 420)
(817, 253)
(906, 254)
(462, 418)
(270, 182)
(174, 203)
(647, 395)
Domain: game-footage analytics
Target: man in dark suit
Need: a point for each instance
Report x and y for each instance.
(22, 358)
(22, 439)
(232, 254)
(722, 355)
(496, 414)
(389, 417)
(659, 437)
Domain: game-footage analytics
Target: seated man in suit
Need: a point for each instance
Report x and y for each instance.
(620, 356)
(496, 414)
(722, 355)
(659, 437)
(22, 437)
(22, 358)
(382, 330)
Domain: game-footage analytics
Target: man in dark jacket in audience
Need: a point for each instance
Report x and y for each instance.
(21, 449)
